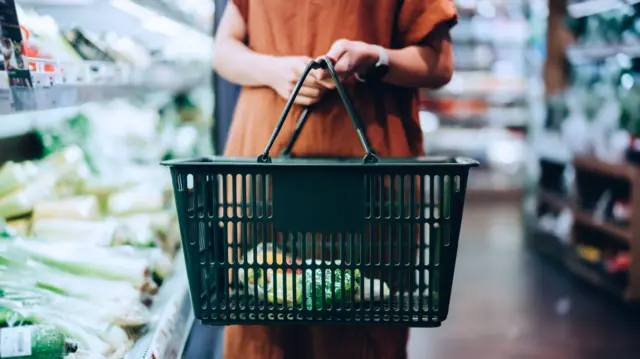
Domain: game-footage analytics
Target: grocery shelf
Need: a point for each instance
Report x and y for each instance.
(482, 121)
(163, 8)
(559, 203)
(593, 164)
(174, 13)
(578, 54)
(582, 8)
(172, 306)
(551, 247)
(17, 100)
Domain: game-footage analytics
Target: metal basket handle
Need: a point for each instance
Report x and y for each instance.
(323, 62)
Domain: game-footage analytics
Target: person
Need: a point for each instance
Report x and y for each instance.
(384, 50)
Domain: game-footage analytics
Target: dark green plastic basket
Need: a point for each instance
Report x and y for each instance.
(363, 241)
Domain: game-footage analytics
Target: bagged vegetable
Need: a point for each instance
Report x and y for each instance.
(22, 200)
(102, 233)
(15, 175)
(136, 200)
(19, 227)
(35, 342)
(98, 262)
(79, 207)
(313, 289)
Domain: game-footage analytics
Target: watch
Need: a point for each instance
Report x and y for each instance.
(379, 70)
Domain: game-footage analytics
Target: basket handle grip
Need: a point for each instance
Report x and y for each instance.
(320, 63)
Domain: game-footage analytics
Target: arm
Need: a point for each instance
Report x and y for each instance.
(428, 65)
(239, 64)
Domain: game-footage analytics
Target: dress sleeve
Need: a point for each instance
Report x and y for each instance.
(243, 7)
(417, 18)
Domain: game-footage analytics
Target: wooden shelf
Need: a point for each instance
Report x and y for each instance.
(593, 164)
(583, 217)
(551, 247)
(575, 266)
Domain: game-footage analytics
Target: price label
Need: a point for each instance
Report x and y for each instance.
(15, 342)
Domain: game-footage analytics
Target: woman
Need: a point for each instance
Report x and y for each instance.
(384, 50)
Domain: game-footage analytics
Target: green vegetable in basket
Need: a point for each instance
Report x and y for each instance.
(35, 342)
(332, 290)
(279, 294)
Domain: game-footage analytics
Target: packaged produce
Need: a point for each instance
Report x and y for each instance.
(316, 291)
(332, 291)
(19, 227)
(79, 207)
(102, 233)
(15, 175)
(161, 263)
(136, 200)
(99, 262)
(35, 342)
(22, 200)
(139, 231)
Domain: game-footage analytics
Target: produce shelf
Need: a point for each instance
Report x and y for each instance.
(174, 13)
(168, 335)
(17, 100)
(20, 101)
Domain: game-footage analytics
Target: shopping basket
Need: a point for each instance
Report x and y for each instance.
(320, 241)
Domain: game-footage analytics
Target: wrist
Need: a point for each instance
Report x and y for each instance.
(373, 54)
(378, 64)
(268, 77)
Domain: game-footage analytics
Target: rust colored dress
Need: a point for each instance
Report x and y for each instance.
(309, 27)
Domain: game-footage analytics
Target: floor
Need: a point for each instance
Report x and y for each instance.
(508, 303)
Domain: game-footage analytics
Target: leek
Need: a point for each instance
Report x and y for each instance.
(98, 262)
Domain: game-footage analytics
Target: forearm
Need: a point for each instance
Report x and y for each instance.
(420, 66)
(239, 64)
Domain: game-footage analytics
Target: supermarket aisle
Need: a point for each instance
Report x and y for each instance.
(508, 303)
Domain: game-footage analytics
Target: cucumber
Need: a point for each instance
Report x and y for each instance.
(34, 342)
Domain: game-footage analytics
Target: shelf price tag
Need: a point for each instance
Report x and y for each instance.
(12, 51)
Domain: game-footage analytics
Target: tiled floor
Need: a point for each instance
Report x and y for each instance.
(508, 303)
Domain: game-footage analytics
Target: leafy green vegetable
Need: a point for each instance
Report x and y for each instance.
(332, 290)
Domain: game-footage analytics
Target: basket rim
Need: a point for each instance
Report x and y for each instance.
(435, 161)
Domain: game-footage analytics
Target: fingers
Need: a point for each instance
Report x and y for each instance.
(338, 49)
(323, 79)
(305, 101)
(309, 95)
(312, 92)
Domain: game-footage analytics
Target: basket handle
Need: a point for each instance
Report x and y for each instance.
(321, 63)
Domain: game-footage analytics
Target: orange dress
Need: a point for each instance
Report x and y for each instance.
(390, 116)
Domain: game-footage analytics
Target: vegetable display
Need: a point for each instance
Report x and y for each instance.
(80, 257)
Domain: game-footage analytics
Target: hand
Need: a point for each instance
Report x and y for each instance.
(352, 57)
(286, 73)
